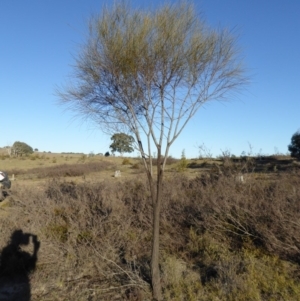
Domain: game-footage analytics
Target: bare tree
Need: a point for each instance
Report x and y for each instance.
(9, 150)
(148, 73)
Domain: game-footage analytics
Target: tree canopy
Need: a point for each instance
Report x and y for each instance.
(122, 143)
(21, 148)
(294, 147)
(148, 73)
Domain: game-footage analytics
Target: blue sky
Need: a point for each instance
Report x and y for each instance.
(39, 40)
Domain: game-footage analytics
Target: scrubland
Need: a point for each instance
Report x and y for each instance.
(221, 238)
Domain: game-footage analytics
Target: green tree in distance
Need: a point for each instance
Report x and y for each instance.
(122, 143)
(21, 148)
(294, 147)
(148, 73)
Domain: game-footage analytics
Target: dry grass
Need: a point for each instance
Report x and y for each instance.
(220, 239)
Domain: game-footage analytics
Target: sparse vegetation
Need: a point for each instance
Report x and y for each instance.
(220, 239)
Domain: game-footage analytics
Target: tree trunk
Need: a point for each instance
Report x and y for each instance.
(156, 201)
(155, 272)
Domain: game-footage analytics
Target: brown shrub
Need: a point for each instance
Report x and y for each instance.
(220, 239)
(170, 161)
(86, 237)
(263, 212)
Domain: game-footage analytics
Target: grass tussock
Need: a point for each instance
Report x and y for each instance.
(220, 239)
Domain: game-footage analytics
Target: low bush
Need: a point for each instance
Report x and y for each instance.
(126, 161)
(136, 166)
(170, 161)
(182, 163)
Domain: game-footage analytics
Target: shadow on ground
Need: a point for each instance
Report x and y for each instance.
(16, 265)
